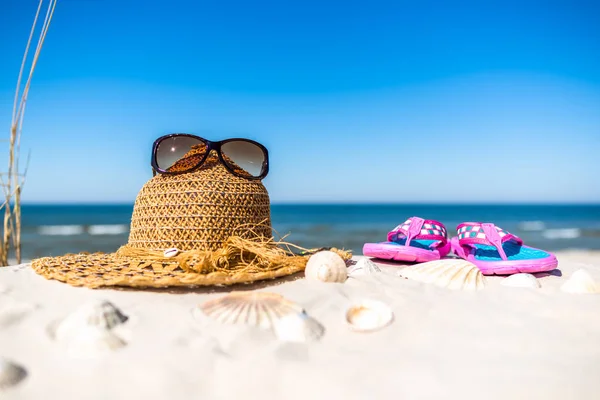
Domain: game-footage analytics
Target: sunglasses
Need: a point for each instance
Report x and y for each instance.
(179, 153)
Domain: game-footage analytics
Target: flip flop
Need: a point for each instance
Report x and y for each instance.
(496, 251)
(416, 240)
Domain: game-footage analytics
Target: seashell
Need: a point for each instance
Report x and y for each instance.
(364, 266)
(259, 309)
(103, 315)
(89, 330)
(299, 327)
(10, 374)
(369, 315)
(451, 274)
(326, 266)
(521, 280)
(580, 283)
(172, 252)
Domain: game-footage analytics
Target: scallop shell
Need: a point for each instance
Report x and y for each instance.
(326, 266)
(364, 266)
(10, 374)
(521, 280)
(580, 283)
(299, 327)
(369, 315)
(259, 309)
(450, 274)
(90, 330)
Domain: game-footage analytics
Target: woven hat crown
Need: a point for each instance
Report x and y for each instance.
(199, 210)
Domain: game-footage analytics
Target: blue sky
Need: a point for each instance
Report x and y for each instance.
(356, 101)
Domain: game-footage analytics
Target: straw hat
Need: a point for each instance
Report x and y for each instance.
(207, 227)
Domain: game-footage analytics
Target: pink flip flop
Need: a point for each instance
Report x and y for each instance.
(496, 251)
(416, 240)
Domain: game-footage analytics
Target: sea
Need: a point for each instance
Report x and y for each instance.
(52, 230)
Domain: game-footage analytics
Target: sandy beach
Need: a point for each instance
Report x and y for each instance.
(497, 343)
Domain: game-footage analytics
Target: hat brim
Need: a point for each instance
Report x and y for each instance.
(105, 270)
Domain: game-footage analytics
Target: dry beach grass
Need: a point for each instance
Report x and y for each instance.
(12, 181)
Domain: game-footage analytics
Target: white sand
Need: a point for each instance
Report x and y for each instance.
(499, 343)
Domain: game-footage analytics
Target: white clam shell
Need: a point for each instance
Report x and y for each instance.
(521, 280)
(298, 328)
(10, 374)
(172, 252)
(580, 283)
(90, 330)
(451, 274)
(101, 315)
(258, 309)
(326, 266)
(369, 315)
(364, 266)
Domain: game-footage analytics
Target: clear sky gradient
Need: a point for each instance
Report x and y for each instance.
(398, 101)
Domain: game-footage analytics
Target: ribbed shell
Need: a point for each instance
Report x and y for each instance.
(450, 274)
(259, 309)
(326, 266)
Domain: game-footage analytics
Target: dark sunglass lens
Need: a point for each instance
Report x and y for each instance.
(246, 158)
(180, 153)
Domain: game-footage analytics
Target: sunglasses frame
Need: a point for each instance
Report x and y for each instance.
(216, 146)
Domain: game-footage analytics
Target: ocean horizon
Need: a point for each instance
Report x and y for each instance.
(59, 228)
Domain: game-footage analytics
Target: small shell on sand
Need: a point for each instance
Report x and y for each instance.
(101, 315)
(10, 374)
(369, 315)
(521, 280)
(364, 266)
(449, 273)
(90, 330)
(580, 283)
(259, 309)
(299, 327)
(326, 266)
(168, 253)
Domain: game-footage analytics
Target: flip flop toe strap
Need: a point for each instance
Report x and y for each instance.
(471, 233)
(419, 228)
